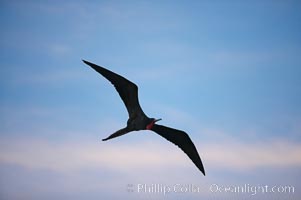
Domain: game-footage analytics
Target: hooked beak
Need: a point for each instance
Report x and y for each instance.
(157, 120)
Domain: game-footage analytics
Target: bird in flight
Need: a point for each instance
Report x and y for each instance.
(128, 91)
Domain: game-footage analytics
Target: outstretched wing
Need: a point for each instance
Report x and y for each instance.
(127, 90)
(182, 140)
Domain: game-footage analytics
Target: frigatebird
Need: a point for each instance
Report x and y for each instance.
(128, 91)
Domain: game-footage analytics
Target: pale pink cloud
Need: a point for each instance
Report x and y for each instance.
(77, 155)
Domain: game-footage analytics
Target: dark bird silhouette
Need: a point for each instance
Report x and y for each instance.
(138, 120)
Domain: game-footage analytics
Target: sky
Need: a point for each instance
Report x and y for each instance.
(226, 72)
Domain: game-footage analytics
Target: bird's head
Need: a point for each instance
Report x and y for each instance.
(151, 123)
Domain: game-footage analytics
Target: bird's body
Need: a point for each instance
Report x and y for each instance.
(138, 120)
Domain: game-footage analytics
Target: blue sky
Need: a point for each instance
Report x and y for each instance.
(226, 72)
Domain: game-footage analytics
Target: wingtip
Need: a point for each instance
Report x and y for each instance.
(85, 61)
(201, 167)
(91, 64)
(202, 170)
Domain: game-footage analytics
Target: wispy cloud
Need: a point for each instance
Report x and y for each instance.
(70, 155)
(249, 156)
(60, 49)
(78, 155)
(244, 58)
(51, 75)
